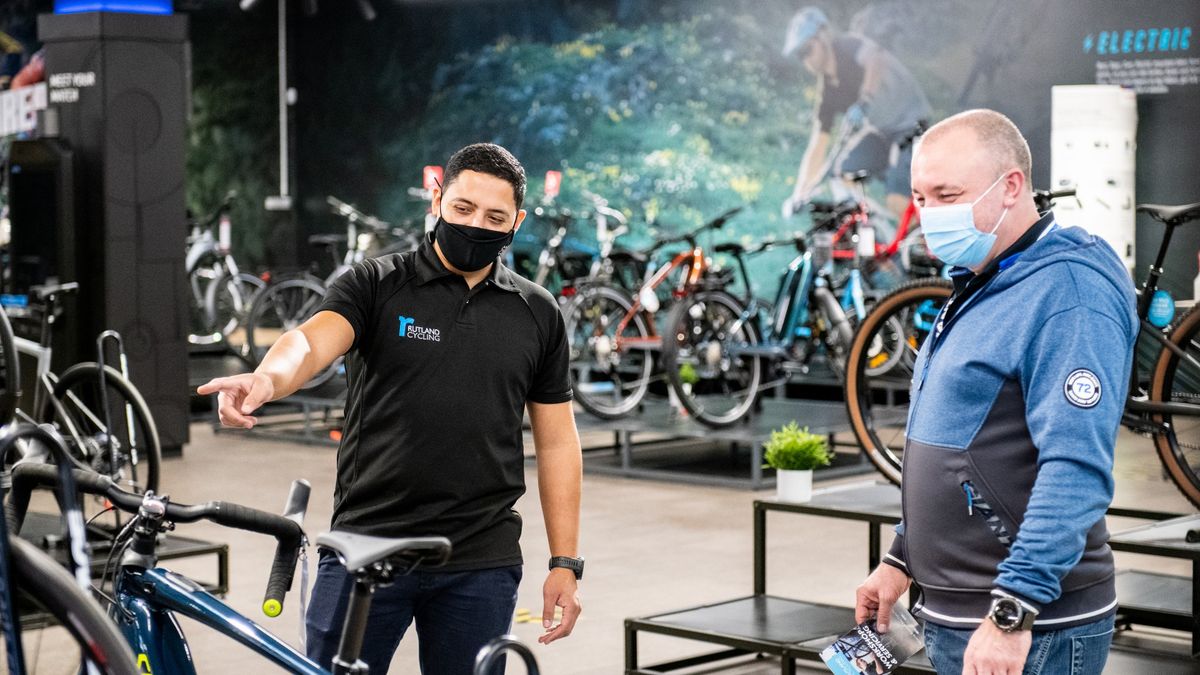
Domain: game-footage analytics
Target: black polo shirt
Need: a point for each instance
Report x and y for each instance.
(439, 375)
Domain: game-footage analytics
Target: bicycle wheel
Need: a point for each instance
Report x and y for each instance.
(202, 330)
(41, 585)
(1177, 380)
(611, 364)
(879, 369)
(10, 371)
(228, 301)
(717, 385)
(135, 457)
(282, 307)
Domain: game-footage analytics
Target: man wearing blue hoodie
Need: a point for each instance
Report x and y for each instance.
(1016, 399)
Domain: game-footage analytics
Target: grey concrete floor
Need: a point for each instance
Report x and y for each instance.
(652, 547)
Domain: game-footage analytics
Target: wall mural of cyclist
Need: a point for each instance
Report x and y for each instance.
(675, 110)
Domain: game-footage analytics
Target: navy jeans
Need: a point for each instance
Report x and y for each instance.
(456, 614)
(1081, 650)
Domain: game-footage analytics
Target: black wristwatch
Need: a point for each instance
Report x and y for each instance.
(1010, 613)
(573, 564)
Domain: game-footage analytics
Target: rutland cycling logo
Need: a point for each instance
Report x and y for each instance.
(409, 329)
(1082, 388)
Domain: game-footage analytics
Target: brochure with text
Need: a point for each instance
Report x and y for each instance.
(863, 650)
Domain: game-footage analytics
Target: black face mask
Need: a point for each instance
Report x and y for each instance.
(467, 248)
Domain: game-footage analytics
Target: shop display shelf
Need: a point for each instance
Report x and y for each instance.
(795, 630)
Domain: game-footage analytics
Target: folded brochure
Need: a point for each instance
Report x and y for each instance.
(863, 650)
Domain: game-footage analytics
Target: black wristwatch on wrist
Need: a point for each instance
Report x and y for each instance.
(1011, 613)
(573, 564)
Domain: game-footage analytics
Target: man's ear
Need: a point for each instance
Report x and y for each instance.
(520, 219)
(1014, 186)
(435, 202)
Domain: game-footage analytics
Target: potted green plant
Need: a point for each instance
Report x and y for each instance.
(794, 452)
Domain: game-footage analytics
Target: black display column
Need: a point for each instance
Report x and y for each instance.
(120, 85)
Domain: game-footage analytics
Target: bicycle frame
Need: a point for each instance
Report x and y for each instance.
(1134, 404)
(695, 263)
(147, 601)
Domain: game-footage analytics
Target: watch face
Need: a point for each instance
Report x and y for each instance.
(1006, 613)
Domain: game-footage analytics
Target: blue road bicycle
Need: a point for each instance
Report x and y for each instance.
(146, 598)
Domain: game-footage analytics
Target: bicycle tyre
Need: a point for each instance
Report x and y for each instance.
(228, 299)
(585, 393)
(674, 336)
(10, 379)
(1175, 444)
(44, 582)
(287, 303)
(78, 389)
(860, 400)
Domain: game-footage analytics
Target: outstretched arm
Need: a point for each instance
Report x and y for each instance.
(292, 360)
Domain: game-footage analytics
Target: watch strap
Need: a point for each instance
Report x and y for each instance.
(567, 562)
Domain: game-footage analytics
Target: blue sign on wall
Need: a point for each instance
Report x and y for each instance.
(128, 6)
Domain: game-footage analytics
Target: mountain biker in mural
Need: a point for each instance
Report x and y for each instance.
(875, 94)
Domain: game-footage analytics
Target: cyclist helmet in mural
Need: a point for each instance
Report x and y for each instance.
(803, 28)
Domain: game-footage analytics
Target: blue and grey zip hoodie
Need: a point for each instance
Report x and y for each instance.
(1013, 419)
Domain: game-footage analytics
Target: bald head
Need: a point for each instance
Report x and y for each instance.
(1001, 141)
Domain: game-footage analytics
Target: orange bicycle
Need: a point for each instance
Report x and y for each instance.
(614, 336)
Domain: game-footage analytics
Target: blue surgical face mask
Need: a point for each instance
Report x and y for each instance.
(951, 234)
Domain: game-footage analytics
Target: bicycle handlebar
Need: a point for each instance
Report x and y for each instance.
(287, 532)
(352, 214)
(690, 237)
(1044, 199)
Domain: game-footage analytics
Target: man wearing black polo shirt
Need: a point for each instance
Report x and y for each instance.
(445, 349)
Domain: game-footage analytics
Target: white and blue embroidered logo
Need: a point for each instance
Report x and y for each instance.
(409, 329)
(1082, 388)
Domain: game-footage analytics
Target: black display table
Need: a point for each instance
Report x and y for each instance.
(793, 630)
(797, 631)
(1162, 600)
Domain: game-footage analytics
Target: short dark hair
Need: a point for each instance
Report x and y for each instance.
(491, 159)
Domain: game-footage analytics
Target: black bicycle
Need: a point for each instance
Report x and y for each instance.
(1164, 391)
(34, 584)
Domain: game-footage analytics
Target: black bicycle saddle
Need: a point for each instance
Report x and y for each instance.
(1172, 215)
(359, 551)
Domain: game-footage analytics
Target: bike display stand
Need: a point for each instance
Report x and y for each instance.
(794, 630)
(692, 452)
(38, 526)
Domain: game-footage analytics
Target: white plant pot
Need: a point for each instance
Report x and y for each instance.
(793, 486)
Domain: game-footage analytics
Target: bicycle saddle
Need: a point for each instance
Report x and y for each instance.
(327, 239)
(1172, 215)
(358, 551)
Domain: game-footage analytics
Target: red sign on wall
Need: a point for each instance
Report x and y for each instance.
(553, 183)
(431, 177)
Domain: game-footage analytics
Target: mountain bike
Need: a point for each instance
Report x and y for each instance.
(721, 348)
(613, 335)
(33, 582)
(221, 293)
(901, 251)
(106, 423)
(1163, 403)
(289, 302)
